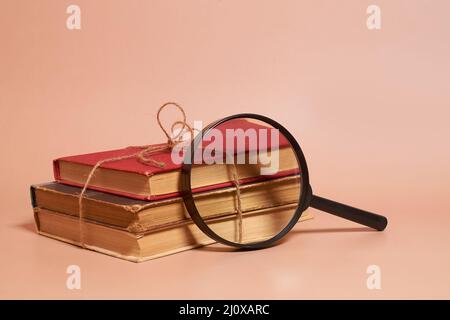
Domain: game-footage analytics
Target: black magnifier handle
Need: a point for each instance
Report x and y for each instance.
(363, 217)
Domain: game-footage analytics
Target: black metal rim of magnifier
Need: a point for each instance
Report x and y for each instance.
(305, 194)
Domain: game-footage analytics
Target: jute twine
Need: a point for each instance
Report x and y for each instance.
(144, 156)
(235, 180)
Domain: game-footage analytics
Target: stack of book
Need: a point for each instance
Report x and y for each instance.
(135, 212)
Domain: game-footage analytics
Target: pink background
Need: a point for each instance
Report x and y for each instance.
(370, 109)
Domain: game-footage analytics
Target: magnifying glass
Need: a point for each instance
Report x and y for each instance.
(245, 183)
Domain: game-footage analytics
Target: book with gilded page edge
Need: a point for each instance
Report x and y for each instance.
(134, 179)
(137, 215)
(138, 247)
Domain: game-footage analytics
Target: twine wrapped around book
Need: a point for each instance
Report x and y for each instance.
(144, 156)
(235, 180)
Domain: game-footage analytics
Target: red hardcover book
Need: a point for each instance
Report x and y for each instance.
(137, 180)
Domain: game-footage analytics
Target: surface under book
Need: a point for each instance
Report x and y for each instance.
(118, 242)
(138, 216)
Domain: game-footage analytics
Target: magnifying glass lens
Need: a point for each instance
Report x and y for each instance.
(245, 180)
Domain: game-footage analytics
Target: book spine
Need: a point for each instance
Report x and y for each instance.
(33, 196)
(56, 173)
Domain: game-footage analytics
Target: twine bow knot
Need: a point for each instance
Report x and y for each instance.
(144, 156)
